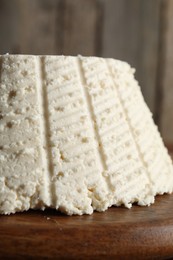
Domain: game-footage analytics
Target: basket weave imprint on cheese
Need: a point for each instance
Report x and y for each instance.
(76, 135)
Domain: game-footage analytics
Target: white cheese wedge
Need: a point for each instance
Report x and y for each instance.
(76, 135)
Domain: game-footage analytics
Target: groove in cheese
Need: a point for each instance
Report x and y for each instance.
(76, 135)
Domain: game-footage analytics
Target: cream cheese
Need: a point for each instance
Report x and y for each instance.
(76, 135)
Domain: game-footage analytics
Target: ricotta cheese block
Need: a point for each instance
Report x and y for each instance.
(76, 135)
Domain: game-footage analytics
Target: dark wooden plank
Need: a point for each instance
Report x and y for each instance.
(79, 27)
(166, 79)
(38, 30)
(131, 31)
(9, 26)
(51, 27)
(28, 27)
(138, 233)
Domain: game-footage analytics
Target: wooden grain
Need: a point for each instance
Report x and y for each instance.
(166, 112)
(139, 233)
(9, 26)
(131, 33)
(79, 26)
(38, 26)
(28, 27)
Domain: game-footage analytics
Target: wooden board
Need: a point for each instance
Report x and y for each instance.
(131, 33)
(141, 232)
(166, 75)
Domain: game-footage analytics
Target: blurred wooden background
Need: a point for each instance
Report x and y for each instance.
(137, 31)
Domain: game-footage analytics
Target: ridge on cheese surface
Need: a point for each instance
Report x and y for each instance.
(76, 135)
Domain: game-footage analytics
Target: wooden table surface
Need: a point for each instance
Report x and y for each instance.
(138, 233)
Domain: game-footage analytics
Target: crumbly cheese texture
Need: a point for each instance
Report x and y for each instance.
(76, 135)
